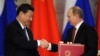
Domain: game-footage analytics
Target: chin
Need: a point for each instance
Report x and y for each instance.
(28, 25)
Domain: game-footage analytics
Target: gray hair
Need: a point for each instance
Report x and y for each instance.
(77, 10)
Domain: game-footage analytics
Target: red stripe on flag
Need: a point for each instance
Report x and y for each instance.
(44, 24)
(98, 23)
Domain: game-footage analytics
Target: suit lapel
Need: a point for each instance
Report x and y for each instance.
(30, 34)
(79, 32)
(21, 30)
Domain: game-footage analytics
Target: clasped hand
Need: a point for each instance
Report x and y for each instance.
(44, 43)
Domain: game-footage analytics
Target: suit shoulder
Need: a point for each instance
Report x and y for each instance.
(13, 25)
(10, 25)
(88, 27)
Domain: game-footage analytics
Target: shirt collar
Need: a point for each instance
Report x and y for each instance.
(79, 24)
(22, 26)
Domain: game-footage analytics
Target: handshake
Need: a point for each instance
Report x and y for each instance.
(44, 43)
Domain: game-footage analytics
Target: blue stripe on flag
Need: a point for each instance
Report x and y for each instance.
(68, 26)
(85, 6)
(7, 16)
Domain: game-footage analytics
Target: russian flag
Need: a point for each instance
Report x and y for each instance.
(87, 14)
(7, 15)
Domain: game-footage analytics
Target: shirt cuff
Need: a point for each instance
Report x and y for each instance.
(49, 47)
(38, 42)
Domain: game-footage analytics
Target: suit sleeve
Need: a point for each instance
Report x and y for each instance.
(14, 37)
(68, 36)
(91, 42)
(54, 47)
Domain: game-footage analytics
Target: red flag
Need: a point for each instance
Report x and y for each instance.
(98, 24)
(44, 24)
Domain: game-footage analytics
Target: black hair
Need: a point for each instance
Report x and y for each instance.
(24, 8)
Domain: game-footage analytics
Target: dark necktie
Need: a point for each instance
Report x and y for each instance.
(26, 33)
(73, 34)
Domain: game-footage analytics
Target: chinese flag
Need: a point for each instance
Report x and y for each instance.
(98, 23)
(44, 24)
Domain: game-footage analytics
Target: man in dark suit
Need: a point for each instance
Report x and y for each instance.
(83, 33)
(18, 37)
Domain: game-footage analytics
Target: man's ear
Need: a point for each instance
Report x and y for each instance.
(21, 13)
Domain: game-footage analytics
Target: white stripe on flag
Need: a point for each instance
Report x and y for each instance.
(1, 6)
(68, 4)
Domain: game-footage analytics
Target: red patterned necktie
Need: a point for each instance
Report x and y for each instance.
(73, 34)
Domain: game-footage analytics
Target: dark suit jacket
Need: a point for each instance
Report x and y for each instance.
(16, 43)
(87, 36)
